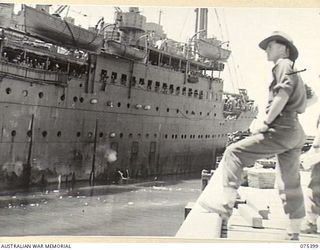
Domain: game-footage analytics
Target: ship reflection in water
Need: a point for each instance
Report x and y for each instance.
(151, 208)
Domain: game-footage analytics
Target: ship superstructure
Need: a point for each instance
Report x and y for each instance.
(68, 95)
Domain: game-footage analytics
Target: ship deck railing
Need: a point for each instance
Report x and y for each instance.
(31, 74)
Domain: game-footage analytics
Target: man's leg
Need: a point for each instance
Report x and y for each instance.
(220, 193)
(290, 191)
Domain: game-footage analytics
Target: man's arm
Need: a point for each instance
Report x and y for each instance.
(277, 106)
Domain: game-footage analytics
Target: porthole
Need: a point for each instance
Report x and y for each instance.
(100, 134)
(59, 133)
(187, 112)
(147, 135)
(168, 109)
(157, 108)
(81, 99)
(119, 104)
(75, 99)
(13, 133)
(80, 85)
(78, 134)
(121, 135)
(41, 95)
(29, 133)
(8, 91)
(128, 105)
(62, 98)
(25, 93)
(166, 136)
(177, 111)
(200, 113)
(44, 133)
(155, 135)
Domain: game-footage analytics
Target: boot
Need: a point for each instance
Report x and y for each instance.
(308, 227)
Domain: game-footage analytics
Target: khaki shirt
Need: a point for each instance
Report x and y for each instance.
(295, 88)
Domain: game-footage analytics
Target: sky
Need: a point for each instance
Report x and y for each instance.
(244, 28)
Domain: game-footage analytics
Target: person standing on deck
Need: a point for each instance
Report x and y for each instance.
(279, 134)
(312, 159)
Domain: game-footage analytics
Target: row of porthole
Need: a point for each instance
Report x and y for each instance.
(175, 136)
(112, 135)
(24, 93)
(81, 99)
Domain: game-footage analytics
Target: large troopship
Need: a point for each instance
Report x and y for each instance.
(69, 96)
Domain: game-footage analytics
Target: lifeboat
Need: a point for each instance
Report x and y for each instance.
(124, 50)
(212, 50)
(53, 29)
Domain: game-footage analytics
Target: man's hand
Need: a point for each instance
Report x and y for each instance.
(260, 128)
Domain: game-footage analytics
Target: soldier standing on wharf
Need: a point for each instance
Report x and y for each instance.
(312, 159)
(279, 134)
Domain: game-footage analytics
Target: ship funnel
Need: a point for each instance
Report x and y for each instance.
(134, 9)
(202, 22)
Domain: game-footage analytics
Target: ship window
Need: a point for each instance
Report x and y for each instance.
(208, 113)
(184, 90)
(201, 94)
(172, 136)
(157, 87)
(78, 134)
(119, 104)
(13, 133)
(166, 136)
(81, 99)
(114, 76)
(44, 133)
(149, 87)
(29, 133)
(128, 105)
(135, 147)
(155, 135)
(75, 99)
(123, 79)
(41, 94)
(141, 82)
(200, 113)
(104, 76)
(147, 135)
(181, 136)
(178, 90)
(25, 93)
(195, 93)
(214, 114)
(187, 111)
(190, 136)
(178, 111)
(171, 89)
(157, 108)
(121, 135)
(100, 134)
(62, 98)
(190, 92)
(8, 91)
(59, 134)
(164, 89)
(168, 109)
(134, 81)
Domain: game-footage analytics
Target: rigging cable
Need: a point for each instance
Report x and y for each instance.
(228, 66)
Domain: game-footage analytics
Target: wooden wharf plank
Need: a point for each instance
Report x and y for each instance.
(200, 224)
(250, 215)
